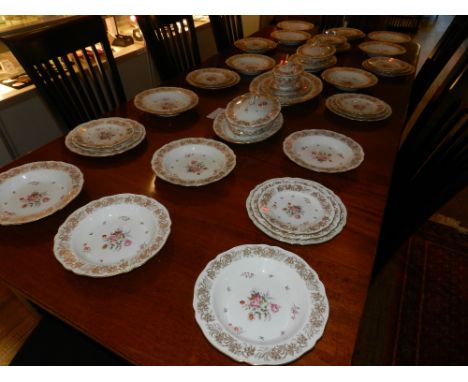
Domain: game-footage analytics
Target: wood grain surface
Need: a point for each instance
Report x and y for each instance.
(146, 315)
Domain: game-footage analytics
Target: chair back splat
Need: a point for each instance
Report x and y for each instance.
(172, 43)
(226, 30)
(71, 64)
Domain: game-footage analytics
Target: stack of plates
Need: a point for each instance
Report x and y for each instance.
(224, 130)
(166, 101)
(105, 137)
(358, 107)
(381, 48)
(315, 58)
(389, 36)
(290, 37)
(339, 42)
(255, 44)
(296, 211)
(388, 66)
(212, 78)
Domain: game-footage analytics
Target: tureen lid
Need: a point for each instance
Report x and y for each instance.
(288, 68)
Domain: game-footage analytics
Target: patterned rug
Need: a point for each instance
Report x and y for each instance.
(416, 310)
(432, 325)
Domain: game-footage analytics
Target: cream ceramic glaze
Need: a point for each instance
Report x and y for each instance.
(137, 136)
(250, 64)
(381, 48)
(193, 161)
(311, 86)
(260, 304)
(349, 79)
(36, 190)
(350, 34)
(315, 65)
(325, 39)
(327, 232)
(251, 111)
(255, 44)
(308, 51)
(289, 37)
(212, 78)
(112, 235)
(388, 66)
(104, 132)
(389, 36)
(166, 101)
(360, 107)
(295, 25)
(224, 130)
(323, 150)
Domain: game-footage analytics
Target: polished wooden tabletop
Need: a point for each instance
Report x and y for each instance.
(146, 315)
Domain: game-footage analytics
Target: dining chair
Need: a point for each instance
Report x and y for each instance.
(172, 43)
(450, 41)
(72, 66)
(432, 163)
(226, 29)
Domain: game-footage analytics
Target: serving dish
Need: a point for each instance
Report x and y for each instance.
(166, 101)
(250, 64)
(348, 78)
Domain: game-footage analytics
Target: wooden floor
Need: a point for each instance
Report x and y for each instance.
(18, 319)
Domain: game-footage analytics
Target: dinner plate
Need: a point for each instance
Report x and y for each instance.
(295, 25)
(327, 39)
(193, 161)
(359, 107)
(295, 208)
(326, 233)
(103, 132)
(315, 66)
(350, 34)
(166, 101)
(112, 235)
(323, 150)
(311, 87)
(223, 130)
(35, 190)
(388, 66)
(134, 140)
(389, 36)
(212, 78)
(290, 37)
(260, 304)
(349, 79)
(250, 64)
(316, 52)
(381, 48)
(255, 44)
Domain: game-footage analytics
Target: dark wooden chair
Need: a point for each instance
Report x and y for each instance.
(432, 164)
(71, 64)
(226, 30)
(450, 41)
(172, 43)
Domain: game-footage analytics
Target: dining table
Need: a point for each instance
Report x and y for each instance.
(146, 316)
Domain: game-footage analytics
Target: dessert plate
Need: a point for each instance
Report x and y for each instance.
(112, 235)
(350, 34)
(312, 87)
(193, 161)
(223, 130)
(290, 37)
(255, 44)
(323, 150)
(320, 52)
(137, 136)
(260, 304)
(388, 66)
(359, 107)
(314, 66)
(381, 48)
(36, 190)
(327, 232)
(212, 78)
(103, 132)
(295, 25)
(166, 101)
(389, 36)
(250, 64)
(349, 79)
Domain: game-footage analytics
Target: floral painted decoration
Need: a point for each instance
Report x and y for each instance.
(259, 306)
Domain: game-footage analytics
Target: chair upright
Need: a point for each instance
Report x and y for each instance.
(226, 30)
(71, 64)
(172, 43)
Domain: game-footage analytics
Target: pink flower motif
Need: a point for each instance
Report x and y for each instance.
(274, 308)
(127, 242)
(46, 199)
